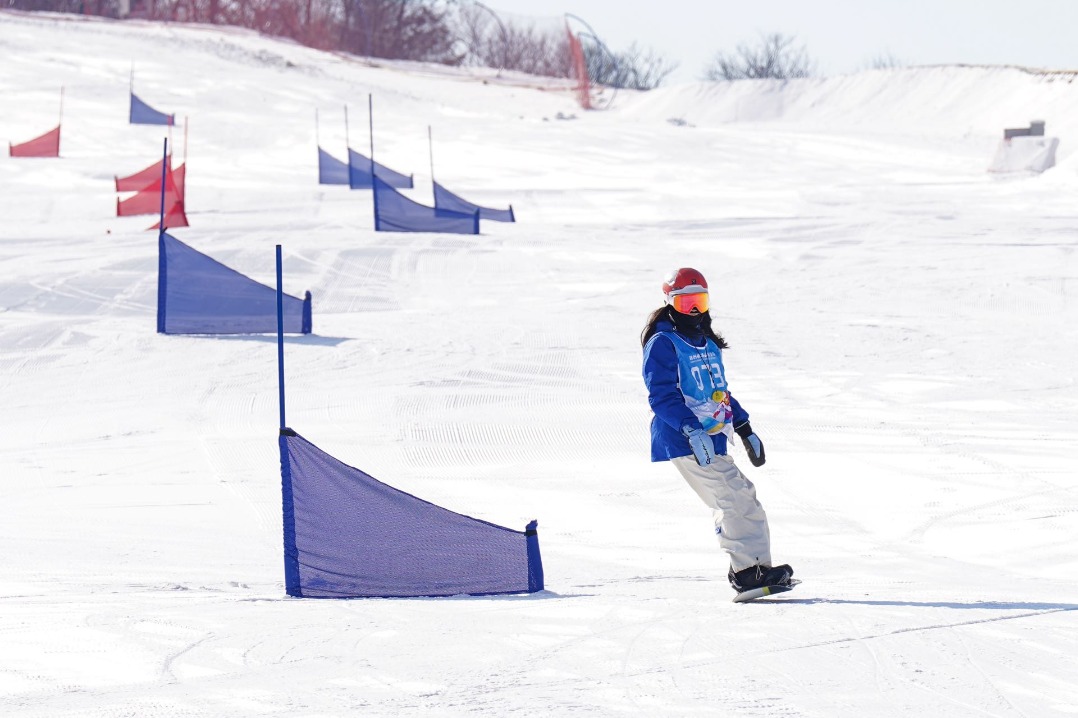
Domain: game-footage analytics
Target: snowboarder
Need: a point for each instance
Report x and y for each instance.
(695, 416)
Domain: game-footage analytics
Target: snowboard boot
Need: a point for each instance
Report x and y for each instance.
(758, 575)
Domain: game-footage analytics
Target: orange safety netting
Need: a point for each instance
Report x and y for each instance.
(580, 68)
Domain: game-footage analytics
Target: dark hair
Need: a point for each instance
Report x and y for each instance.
(664, 312)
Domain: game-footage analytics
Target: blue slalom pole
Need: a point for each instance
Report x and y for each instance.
(162, 264)
(288, 508)
(280, 336)
(374, 180)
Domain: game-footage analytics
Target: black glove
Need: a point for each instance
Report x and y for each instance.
(753, 446)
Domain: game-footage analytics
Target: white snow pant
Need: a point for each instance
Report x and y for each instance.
(740, 521)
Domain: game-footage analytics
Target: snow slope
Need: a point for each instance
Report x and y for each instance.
(903, 331)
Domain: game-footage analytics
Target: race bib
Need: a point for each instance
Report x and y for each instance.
(703, 384)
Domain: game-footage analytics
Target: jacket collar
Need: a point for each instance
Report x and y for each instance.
(696, 338)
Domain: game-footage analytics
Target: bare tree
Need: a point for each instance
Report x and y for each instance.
(885, 61)
(476, 32)
(486, 40)
(537, 52)
(68, 6)
(634, 68)
(392, 29)
(399, 30)
(446, 31)
(774, 57)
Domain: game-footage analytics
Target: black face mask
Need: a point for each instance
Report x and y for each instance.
(688, 323)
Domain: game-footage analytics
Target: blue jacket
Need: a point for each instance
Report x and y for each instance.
(662, 377)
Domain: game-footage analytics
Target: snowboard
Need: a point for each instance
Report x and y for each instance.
(754, 593)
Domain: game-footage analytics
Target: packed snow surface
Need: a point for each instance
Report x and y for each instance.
(903, 331)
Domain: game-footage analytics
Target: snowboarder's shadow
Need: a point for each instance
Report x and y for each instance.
(982, 605)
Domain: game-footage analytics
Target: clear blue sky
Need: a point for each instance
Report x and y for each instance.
(840, 35)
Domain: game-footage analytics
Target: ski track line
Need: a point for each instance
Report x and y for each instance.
(808, 687)
(677, 673)
(519, 677)
(641, 629)
(971, 660)
(879, 673)
(933, 627)
(166, 671)
(886, 678)
(712, 692)
(929, 439)
(101, 303)
(825, 509)
(461, 443)
(30, 362)
(864, 639)
(360, 276)
(220, 459)
(937, 693)
(217, 402)
(945, 694)
(918, 533)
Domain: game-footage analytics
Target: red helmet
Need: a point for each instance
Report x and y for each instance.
(684, 281)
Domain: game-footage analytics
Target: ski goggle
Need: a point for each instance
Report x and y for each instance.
(685, 303)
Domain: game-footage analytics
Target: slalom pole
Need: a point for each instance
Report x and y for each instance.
(370, 125)
(162, 263)
(430, 146)
(347, 148)
(61, 125)
(280, 336)
(318, 145)
(292, 584)
(347, 142)
(164, 171)
(374, 181)
(186, 124)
